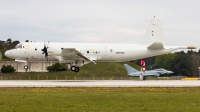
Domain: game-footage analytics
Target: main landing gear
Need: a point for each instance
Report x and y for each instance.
(74, 68)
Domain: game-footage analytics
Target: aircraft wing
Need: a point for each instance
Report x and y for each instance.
(72, 53)
(156, 46)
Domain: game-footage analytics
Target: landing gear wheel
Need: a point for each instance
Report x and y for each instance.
(77, 69)
(73, 68)
(26, 67)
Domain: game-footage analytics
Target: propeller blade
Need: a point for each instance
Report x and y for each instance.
(48, 44)
(45, 52)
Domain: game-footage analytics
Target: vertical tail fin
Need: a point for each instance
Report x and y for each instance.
(130, 69)
(154, 33)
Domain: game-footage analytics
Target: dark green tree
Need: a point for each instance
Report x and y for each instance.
(3, 55)
(182, 64)
(9, 45)
(195, 64)
(14, 43)
(0, 56)
(165, 61)
(56, 67)
(9, 41)
(7, 69)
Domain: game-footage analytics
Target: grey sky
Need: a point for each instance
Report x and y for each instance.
(98, 21)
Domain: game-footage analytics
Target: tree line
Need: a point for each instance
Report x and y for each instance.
(181, 63)
(6, 45)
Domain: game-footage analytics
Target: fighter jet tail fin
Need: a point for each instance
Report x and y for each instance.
(130, 69)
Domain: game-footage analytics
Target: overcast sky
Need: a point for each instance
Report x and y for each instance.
(104, 21)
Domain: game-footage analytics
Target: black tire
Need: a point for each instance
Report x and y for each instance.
(77, 69)
(26, 67)
(73, 68)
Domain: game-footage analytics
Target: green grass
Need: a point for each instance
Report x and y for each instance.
(99, 99)
(100, 70)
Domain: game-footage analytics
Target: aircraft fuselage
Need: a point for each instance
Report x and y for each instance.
(32, 51)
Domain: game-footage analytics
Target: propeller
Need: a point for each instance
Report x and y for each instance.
(45, 52)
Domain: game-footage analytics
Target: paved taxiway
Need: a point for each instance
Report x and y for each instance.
(98, 83)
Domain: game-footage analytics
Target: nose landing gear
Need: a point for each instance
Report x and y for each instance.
(26, 67)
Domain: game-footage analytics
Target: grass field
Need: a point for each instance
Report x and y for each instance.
(99, 70)
(100, 99)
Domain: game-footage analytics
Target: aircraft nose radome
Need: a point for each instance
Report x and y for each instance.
(8, 54)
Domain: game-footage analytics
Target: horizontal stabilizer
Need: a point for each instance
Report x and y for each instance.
(156, 46)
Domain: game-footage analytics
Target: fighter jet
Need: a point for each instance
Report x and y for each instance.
(133, 72)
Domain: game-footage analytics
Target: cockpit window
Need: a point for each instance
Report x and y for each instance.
(18, 46)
